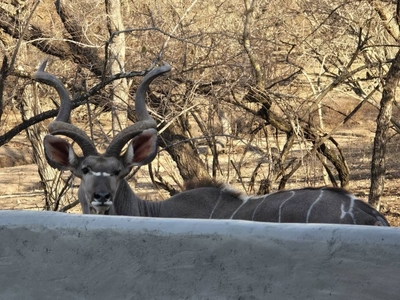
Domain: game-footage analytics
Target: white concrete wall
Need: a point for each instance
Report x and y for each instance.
(47, 255)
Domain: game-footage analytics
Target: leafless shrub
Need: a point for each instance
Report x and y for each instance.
(272, 82)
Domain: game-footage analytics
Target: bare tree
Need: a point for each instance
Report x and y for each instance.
(390, 83)
(274, 69)
(116, 58)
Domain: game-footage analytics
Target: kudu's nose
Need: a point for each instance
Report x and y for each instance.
(102, 198)
(101, 202)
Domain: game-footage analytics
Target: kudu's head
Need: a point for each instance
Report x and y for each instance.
(100, 174)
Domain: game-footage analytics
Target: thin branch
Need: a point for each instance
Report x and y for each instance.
(69, 206)
(176, 27)
(21, 38)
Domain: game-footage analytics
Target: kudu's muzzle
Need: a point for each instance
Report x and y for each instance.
(101, 202)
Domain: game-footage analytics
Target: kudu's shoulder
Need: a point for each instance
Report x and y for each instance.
(213, 184)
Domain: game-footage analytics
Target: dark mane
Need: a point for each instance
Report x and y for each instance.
(205, 182)
(194, 184)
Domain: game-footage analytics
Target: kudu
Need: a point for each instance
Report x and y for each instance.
(104, 188)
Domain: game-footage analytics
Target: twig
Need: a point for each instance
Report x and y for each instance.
(30, 194)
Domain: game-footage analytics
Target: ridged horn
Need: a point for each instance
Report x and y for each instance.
(145, 121)
(61, 125)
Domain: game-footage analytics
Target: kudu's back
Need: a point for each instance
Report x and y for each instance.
(307, 205)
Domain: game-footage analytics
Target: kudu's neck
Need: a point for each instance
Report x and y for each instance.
(127, 203)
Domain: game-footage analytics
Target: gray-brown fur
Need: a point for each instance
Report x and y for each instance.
(104, 189)
(212, 183)
(308, 205)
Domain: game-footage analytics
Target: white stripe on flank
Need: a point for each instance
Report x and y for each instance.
(281, 206)
(243, 203)
(264, 198)
(216, 204)
(350, 211)
(259, 204)
(312, 205)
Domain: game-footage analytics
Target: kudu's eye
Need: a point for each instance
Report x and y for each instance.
(116, 173)
(85, 170)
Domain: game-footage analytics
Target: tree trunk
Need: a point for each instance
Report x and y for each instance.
(190, 166)
(378, 167)
(120, 91)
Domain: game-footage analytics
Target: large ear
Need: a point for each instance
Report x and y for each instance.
(59, 153)
(142, 149)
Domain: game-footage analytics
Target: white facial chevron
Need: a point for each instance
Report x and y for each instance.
(99, 174)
